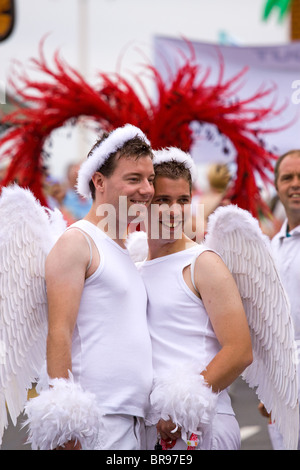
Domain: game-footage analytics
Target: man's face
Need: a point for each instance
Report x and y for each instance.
(288, 183)
(132, 180)
(170, 207)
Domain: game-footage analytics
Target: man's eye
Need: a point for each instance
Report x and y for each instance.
(184, 201)
(161, 200)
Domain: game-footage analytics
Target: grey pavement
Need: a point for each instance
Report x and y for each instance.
(253, 426)
(15, 437)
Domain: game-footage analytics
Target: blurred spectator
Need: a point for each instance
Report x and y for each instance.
(55, 192)
(286, 251)
(72, 201)
(3, 167)
(271, 224)
(218, 178)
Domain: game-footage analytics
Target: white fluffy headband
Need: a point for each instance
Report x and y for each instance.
(111, 144)
(174, 153)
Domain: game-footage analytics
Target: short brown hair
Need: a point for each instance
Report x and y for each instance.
(278, 163)
(133, 148)
(174, 170)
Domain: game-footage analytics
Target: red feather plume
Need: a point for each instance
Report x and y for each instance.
(185, 97)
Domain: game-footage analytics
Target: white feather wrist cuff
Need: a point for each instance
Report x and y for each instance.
(62, 413)
(184, 396)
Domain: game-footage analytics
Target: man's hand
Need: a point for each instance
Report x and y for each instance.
(164, 428)
(70, 445)
(263, 411)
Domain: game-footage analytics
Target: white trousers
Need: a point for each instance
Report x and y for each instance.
(121, 432)
(222, 434)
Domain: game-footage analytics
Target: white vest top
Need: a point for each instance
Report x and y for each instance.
(111, 351)
(286, 251)
(179, 326)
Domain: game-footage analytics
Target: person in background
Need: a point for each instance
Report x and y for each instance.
(286, 249)
(196, 318)
(73, 202)
(218, 178)
(98, 347)
(3, 167)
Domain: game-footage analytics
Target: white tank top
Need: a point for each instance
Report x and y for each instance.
(180, 329)
(111, 351)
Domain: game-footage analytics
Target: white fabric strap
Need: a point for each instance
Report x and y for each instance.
(193, 266)
(89, 243)
(193, 272)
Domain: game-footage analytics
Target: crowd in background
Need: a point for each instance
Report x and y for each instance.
(63, 195)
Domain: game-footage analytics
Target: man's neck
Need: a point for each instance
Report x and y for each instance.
(110, 227)
(293, 221)
(159, 248)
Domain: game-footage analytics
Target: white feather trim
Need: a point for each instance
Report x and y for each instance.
(137, 246)
(114, 142)
(174, 153)
(62, 413)
(184, 396)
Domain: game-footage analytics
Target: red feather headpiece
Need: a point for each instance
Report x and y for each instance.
(64, 95)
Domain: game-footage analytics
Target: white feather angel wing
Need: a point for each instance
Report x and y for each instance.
(27, 233)
(237, 237)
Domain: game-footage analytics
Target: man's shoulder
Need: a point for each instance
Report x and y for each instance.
(71, 235)
(206, 256)
(71, 244)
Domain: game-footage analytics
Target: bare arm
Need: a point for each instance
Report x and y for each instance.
(68, 428)
(65, 275)
(223, 304)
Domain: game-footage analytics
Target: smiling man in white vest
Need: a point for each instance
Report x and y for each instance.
(97, 309)
(200, 335)
(286, 249)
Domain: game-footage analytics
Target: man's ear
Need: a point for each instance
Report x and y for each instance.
(98, 180)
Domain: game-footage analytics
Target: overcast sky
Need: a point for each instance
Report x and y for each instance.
(93, 34)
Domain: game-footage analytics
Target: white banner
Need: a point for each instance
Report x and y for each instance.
(279, 65)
